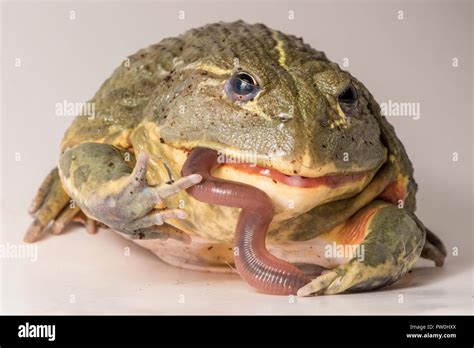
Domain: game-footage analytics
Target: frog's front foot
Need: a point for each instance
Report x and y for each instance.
(391, 240)
(107, 189)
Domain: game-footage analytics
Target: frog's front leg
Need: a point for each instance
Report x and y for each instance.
(109, 190)
(385, 242)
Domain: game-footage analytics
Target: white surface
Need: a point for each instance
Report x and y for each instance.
(93, 271)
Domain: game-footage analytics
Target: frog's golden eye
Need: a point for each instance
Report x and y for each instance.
(348, 100)
(241, 87)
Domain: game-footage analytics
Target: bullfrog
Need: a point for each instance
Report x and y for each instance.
(238, 148)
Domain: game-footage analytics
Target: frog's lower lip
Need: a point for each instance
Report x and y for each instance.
(330, 181)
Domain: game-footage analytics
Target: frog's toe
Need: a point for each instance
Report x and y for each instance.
(318, 285)
(336, 281)
(64, 219)
(354, 276)
(33, 233)
(90, 224)
(47, 205)
(43, 191)
(179, 185)
(156, 218)
(76, 215)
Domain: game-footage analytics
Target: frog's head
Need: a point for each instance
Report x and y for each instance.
(257, 95)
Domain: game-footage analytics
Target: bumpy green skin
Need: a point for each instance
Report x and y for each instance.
(177, 87)
(189, 106)
(90, 172)
(394, 243)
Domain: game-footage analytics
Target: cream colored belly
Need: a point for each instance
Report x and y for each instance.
(204, 255)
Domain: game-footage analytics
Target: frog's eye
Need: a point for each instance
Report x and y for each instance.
(242, 87)
(347, 100)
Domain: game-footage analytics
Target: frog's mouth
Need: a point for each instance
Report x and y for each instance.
(331, 181)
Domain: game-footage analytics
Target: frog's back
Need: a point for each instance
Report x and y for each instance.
(119, 103)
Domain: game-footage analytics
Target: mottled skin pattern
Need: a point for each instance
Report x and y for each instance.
(169, 98)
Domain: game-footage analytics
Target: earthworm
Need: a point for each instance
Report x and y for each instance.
(254, 263)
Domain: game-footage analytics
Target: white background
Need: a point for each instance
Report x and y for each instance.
(407, 60)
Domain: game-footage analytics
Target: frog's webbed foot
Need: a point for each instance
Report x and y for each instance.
(107, 189)
(392, 241)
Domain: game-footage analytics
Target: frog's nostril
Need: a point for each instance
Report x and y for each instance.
(284, 117)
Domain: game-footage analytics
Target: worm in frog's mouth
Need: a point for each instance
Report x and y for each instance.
(331, 180)
(254, 263)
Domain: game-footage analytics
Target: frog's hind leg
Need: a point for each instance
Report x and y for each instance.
(392, 240)
(43, 191)
(47, 204)
(53, 211)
